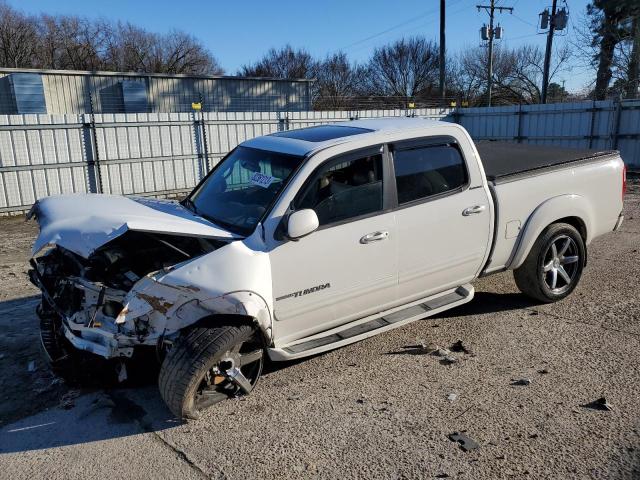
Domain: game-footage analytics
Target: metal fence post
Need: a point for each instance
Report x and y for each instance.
(592, 124)
(457, 115)
(616, 128)
(90, 141)
(205, 146)
(519, 136)
(283, 122)
(197, 136)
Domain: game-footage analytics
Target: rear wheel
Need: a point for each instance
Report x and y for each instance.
(208, 365)
(554, 265)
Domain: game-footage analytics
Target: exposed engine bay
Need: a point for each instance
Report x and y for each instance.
(88, 295)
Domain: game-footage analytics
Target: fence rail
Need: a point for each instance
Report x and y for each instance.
(137, 153)
(168, 153)
(600, 125)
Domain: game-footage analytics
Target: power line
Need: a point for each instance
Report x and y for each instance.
(402, 24)
(523, 20)
(420, 26)
(523, 36)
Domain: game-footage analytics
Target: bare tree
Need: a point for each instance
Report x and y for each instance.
(283, 63)
(76, 43)
(517, 73)
(337, 81)
(18, 38)
(407, 68)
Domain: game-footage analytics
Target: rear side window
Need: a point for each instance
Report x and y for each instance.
(426, 171)
(339, 190)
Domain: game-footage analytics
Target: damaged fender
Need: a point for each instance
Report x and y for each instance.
(233, 280)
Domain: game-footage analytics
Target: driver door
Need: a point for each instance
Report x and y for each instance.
(347, 268)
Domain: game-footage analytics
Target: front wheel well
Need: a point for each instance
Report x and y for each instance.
(220, 320)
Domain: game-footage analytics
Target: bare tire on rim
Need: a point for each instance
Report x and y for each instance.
(554, 265)
(208, 365)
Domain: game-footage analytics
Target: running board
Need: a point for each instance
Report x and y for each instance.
(372, 325)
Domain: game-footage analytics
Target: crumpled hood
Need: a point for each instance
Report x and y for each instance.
(83, 223)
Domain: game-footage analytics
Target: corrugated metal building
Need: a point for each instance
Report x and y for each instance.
(75, 92)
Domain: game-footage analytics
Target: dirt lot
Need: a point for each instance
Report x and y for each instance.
(369, 410)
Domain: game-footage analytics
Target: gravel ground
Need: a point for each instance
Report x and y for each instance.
(369, 410)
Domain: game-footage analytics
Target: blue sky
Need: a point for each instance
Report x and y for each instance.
(239, 32)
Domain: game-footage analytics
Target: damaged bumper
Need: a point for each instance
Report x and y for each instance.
(110, 322)
(87, 336)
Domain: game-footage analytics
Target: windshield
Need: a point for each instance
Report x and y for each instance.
(240, 190)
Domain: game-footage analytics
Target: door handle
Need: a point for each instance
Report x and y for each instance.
(374, 237)
(475, 209)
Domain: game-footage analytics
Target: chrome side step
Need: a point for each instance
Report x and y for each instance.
(372, 325)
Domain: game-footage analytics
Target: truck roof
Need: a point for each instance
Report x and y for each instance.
(306, 140)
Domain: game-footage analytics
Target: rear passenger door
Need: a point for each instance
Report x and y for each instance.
(443, 221)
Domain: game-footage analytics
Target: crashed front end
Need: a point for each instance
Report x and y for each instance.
(112, 301)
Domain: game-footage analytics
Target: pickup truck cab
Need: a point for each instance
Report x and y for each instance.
(306, 240)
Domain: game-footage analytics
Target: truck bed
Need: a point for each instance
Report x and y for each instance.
(503, 159)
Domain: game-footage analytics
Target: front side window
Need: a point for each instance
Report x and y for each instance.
(339, 190)
(426, 171)
(240, 190)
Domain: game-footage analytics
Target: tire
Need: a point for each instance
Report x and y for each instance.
(546, 277)
(199, 370)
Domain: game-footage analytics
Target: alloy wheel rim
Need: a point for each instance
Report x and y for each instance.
(233, 375)
(560, 264)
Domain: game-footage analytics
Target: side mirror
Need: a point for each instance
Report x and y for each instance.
(301, 223)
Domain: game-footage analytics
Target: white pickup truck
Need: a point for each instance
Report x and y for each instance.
(307, 240)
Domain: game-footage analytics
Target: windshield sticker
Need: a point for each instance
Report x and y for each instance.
(261, 179)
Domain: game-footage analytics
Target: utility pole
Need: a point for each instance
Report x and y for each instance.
(490, 34)
(547, 52)
(442, 49)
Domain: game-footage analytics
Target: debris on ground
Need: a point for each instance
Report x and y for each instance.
(448, 360)
(452, 397)
(460, 347)
(521, 382)
(442, 352)
(466, 443)
(599, 404)
(32, 366)
(421, 348)
(543, 371)
(67, 401)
